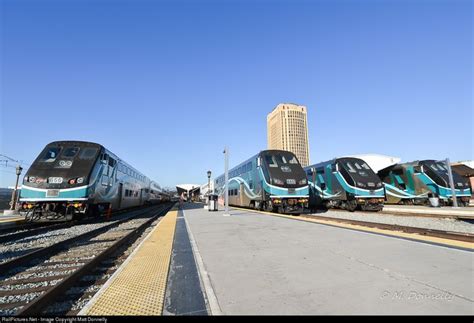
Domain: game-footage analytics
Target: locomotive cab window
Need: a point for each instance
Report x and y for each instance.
(51, 154)
(88, 153)
(70, 152)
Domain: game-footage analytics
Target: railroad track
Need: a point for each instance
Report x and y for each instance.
(458, 236)
(23, 242)
(33, 282)
(31, 229)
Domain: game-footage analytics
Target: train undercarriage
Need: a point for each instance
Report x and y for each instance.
(364, 204)
(60, 211)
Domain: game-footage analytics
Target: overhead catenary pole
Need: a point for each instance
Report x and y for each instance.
(451, 183)
(226, 191)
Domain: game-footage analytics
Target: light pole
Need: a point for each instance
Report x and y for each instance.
(18, 172)
(226, 193)
(208, 182)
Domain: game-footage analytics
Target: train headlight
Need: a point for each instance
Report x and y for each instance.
(302, 182)
(72, 181)
(80, 180)
(32, 179)
(360, 184)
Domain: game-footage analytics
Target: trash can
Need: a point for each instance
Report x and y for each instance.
(434, 200)
(212, 202)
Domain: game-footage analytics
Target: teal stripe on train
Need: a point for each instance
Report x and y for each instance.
(282, 191)
(359, 192)
(33, 194)
(443, 192)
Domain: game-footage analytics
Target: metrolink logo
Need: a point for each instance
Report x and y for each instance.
(416, 296)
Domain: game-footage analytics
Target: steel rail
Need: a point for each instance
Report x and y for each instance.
(57, 247)
(40, 303)
(459, 236)
(33, 228)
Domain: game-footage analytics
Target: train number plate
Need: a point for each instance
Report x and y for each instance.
(291, 190)
(52, 193)
(55, 180)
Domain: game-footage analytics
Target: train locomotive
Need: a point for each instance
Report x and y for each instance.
(272, 180)
(71, 179)
(415, 182)
(346, 183)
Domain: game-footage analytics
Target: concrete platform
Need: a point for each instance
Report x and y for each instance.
(251, 263)
(447, 211)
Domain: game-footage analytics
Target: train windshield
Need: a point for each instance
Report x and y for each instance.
(356, 172)
(70, 152)
(359, 167)
(50, 154)
(282, 161)
(88, 153)
(283, 169)
(440, 169)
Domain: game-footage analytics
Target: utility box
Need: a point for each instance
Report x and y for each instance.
(212, 202)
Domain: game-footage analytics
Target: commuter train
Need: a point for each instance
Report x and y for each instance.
(415, 182)
(70, 179)
(271, 180)
(346, 183)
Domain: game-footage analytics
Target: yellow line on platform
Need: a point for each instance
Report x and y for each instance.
(412, 236)
(138, 288)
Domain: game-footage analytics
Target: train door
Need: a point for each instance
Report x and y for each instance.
(241, 195)
(120, 195)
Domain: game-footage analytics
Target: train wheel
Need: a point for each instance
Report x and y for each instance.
(350, 206)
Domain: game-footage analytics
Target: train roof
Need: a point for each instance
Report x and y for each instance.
(332, 161)
(78, 142)
(378, 162)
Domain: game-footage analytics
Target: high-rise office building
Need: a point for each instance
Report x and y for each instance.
(287, 129)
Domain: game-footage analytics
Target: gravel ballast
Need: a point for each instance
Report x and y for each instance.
(444, 224)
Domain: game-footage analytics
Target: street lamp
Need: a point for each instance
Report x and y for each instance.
(18, 173)
(208, 182)
(226, 176)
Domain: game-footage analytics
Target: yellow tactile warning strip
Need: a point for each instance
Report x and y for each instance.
(139, 287)
(411, 236)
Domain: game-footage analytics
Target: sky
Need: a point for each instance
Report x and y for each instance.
(165, 85)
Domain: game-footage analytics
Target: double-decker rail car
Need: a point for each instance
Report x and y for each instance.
(155, 193)
(414, 182)
(74, 178)
(347, 183)
(271, 180)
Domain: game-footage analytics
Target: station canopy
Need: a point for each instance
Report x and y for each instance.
(187, 188)
(463, 170)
